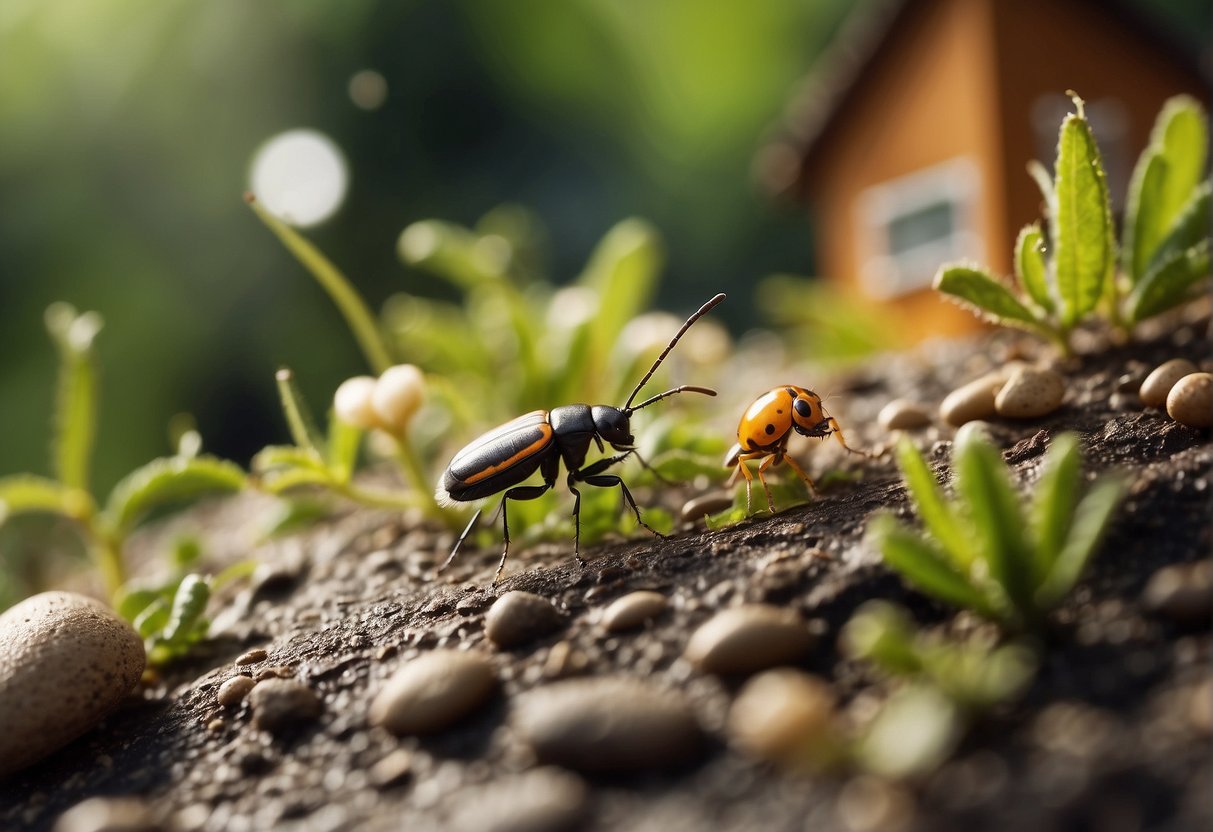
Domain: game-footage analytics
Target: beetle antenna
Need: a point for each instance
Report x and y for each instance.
(703, 310)
(686, 388)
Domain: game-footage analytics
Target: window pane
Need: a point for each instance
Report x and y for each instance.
(931, 223)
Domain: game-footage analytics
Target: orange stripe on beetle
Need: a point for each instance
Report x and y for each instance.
(545, 436)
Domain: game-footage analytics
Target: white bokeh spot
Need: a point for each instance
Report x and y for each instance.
(300, 177)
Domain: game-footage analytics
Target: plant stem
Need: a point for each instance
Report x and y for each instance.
(107, 552)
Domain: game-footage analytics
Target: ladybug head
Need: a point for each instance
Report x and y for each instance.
(808, 417)
(613, 425)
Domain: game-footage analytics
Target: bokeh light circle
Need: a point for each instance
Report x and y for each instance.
(300, 176)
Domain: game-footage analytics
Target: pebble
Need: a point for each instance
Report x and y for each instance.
(65, 662)
(749, 638)
(1190, 401)
(975, 400)
(607, 724)
(393, 769)
(434, 691)
(1153, 391)
(520, 617)
(233, 691)
(1030, 393)
(713, 502)
(251, 657)
(108, 814)
(540, 800)
(783, 716)
(633, 610)
(902, 414)
(281, 704)
(1182, 592)
(564, 660)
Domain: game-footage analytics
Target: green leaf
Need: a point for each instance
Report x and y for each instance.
(1090, 522)
(1040, 175)
(978, 289)
(152, 618)
(298, 416)
(281, 480)
(167, 480)
(131, 603)
(883, 634)
(1191, 226)
(237, 571)
(189, 604)
(1030, 266)
(1170, 283)
(1055, 496)
(993, 506)
(344, 442)
(937, 517)
(287, 456)
(30, 494)
(925, 567)
(682, 466)
(915, 731)
(1167, 171)
(76, 396)
(351, 305)
(1081, 230)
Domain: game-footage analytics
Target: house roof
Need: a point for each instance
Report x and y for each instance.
(819, 99)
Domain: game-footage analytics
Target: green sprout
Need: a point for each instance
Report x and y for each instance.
(945, 686)
(104, 526)
(980, 551)
(512, 343)
(1165, 251)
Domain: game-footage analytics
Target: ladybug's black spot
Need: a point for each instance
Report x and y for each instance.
(770, 429)
(780, 411)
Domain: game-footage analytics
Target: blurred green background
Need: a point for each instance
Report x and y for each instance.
(127, 128)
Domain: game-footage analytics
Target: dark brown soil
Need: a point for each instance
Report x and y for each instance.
(1109, 736)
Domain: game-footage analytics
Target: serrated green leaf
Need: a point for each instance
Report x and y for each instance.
(1086, 531)
(168, 480)
(189, 604)
(75, 417)
(993, 506)
(1167, 171)
(1056, 494)
(984, 293)
(1170, 283)
(936, 515)
(925, 567)
(31, 494)
(1030, 266)
(1082, 225)
(343, 294)
(298, 415)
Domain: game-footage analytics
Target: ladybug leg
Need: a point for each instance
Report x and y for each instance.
(749, 481)
(842, 440)
(767, 463)
(800, 471)
(522, 492)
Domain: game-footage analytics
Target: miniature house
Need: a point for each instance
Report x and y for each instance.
(910, 140)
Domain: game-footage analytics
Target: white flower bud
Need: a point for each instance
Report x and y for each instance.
(352, 402)
(398, 394)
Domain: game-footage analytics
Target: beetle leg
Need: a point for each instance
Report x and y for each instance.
(749, 478)
(800, 471)
(522, 492)
(610, 480)
(459, 542)
(576, 520)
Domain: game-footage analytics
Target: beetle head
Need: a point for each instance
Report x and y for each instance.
(613, 425)
(808, 416)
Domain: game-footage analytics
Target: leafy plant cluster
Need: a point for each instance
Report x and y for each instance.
(511, 344)
(1071, 275)
(104, 526)
(982, 551)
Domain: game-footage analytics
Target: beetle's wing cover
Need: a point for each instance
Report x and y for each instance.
(500, 458)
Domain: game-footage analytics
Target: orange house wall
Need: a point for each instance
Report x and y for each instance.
(925, 100)
(1089, 53)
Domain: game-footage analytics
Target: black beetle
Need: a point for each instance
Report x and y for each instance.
(538, 441)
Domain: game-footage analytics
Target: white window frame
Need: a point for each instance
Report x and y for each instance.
(884, 275)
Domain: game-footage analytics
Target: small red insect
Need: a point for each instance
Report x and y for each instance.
(766, 427)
